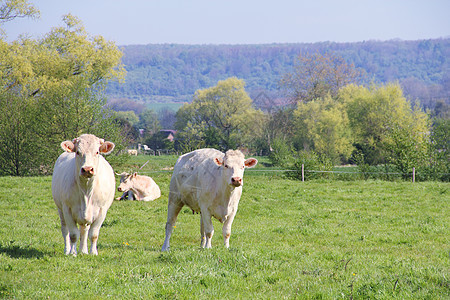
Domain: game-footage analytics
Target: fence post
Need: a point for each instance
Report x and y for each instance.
(414, 174)
(303, 172)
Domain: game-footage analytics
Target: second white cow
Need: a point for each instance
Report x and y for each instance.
(209, 182)
(139, 187)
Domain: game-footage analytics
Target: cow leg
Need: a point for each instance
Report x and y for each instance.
(202, 232)
(172, 213)
(94, 231)
(83, 238)
(130, 195)
(65, 233)
(226, 230)
(74, 233)
(208, 227)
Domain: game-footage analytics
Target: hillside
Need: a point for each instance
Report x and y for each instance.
(172, 73)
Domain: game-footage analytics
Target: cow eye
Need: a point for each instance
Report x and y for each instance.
(78, 152)
(226, 166)
(96, 153)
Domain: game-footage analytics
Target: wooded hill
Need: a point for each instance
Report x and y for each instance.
(172, 73)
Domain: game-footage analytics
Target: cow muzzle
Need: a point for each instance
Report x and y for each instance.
(87, 172)
(236, 181)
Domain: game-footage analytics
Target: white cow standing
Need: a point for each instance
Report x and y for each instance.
(209, 182)
(138, 186)
(83, 187)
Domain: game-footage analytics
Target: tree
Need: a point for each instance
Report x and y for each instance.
(316, 75)
(159, 140)
(51, 90)
(167, 118)
(278, 127)
(323, 126)
(126, 121)
(11, 9)
(148, 120)
(439, 148)
(378, 116)
(405, 148)
(128, 116)
(192, 137)
(223, 113)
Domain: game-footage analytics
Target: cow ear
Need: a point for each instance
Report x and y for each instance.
(134, 174)
(218, 161)
(68, 146)
(250, 162)
(106, 148)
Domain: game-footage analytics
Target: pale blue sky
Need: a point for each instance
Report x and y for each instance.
(244, 21)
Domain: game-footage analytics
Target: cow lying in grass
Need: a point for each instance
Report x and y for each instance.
(138, 187)
(209, 182)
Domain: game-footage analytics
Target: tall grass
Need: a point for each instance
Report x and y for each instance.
(318, 239)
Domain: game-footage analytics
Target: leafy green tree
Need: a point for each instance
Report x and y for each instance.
(224, 114)
(323, 126)
(380, 117)
(282, 153)
(404, 149)
(192, 137)
(128, 116)
(51, 90)
(437, 162)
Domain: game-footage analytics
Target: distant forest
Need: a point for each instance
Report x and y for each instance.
(172, 73)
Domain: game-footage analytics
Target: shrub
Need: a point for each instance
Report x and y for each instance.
(315, 166)
(282, 153)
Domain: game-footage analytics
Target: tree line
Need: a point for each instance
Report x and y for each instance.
(174, 72)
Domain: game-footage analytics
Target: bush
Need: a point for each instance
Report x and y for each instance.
(315, 166)
(358, 158)
(282, 154)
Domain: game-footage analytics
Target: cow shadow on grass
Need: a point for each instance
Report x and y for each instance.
(15, 251)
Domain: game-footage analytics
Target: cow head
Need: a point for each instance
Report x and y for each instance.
(233, 165)
(87, 149)
(125, 181)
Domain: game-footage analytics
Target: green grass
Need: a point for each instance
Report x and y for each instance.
(313, 240)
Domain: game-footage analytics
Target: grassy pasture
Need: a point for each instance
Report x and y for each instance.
(313, 240)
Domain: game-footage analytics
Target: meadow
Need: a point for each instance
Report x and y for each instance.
(319, 239)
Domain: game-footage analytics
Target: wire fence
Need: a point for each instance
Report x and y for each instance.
(331, 174)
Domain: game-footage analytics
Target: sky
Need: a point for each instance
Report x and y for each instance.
(129, 22)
